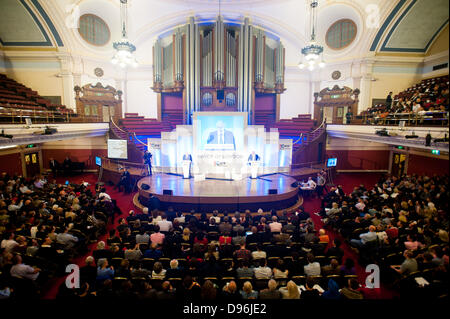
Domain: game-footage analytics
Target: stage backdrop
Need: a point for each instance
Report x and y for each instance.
(220, 144)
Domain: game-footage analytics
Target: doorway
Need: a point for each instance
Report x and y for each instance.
(398, 164)
(32, 166)
(105, 113)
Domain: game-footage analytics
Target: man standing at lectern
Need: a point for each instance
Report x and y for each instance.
(253, 157)
(188, 157)
(221, 136)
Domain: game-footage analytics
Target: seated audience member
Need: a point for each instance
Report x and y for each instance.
(280, 271)
(209, 291)
(259, 253)
(244, 270)
(88, 273)
(157, 237)
(348, 268)
(271, 291)
(275, 226)
(104, 271)
(101, 251)
(313, 267)
(332, 292)
(310, 291)
(323, 237)
(21, 270)
(408, 266)
(167, 292)
(247, 291)
(243, 253)
(174, 271)
(370, 236)
(164, 224)
(291, 291)
(230, 291)
(158, 271)
(332, 268)
(133, 253)
(351, 291)
(262, 271)
(336, 250)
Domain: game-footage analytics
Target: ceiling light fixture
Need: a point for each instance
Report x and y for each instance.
(313, 52)
(124, 48)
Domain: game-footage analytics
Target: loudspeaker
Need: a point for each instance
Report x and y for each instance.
(273, 191)
(145, 187)
(220, 95)
(167, 192)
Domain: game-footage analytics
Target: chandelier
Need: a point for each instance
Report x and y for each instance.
(313, 52)
(124, 48)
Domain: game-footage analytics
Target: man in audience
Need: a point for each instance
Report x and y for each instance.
(271, 292)
(313, 267)
(21, 270)
(408, 266)
(370, 236)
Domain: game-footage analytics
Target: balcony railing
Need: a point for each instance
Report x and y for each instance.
(19, 116)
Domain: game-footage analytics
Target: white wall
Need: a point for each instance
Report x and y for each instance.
(140, 98)
(296, 99)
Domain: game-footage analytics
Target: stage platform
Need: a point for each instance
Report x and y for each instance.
(218, 193)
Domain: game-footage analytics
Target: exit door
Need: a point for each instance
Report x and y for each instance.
(32, 166)
(398, 164)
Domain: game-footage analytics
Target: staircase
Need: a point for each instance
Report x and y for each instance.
(306, 149)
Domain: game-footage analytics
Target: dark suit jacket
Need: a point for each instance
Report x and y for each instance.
(250, 158)
(53, 164)
(227, 136)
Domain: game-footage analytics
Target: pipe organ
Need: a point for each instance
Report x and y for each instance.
(218, 66)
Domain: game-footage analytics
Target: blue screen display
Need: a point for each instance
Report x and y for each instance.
(332, 162)
(98, 161)
(220, 132)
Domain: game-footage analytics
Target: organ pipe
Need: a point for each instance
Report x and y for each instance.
(232, 57)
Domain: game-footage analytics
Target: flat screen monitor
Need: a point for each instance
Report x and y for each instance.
(117, 149)
(98, 161)
(332, 162)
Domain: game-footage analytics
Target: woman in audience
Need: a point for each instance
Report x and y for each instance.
(209, 291)
(158, 271)
(247, 291)
(291, 291)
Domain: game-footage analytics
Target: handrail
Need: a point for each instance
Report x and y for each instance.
(116, 126)
(134, 134)
(301, 134)
(299, 139)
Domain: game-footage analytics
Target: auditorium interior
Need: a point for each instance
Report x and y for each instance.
(211, 150)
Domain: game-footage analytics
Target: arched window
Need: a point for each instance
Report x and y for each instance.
(94, 30)
(341, 34)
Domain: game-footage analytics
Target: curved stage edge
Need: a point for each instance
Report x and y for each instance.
(220, 194)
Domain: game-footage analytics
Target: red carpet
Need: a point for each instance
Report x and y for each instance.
(312, 205)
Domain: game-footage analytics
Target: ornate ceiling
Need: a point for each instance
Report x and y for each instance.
(402, 26)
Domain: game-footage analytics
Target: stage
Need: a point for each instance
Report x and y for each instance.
(218, 193)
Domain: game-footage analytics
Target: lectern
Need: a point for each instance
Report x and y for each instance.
(254, 165)
(186, 165)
